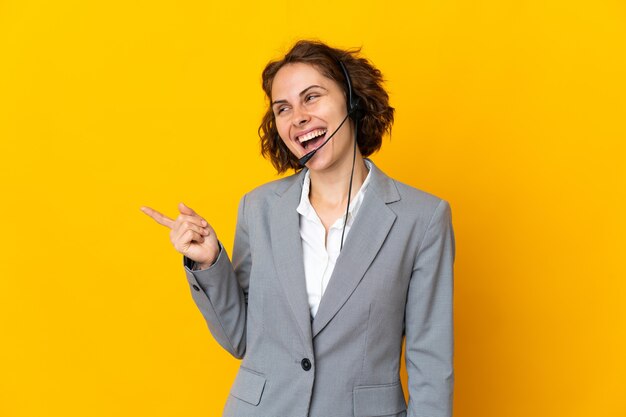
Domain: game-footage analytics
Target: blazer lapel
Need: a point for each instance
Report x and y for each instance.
(367, 234)
(287, 252)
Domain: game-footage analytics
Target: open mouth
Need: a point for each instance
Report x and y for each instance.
(312, 140)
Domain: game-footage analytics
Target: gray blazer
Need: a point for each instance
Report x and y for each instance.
(393, 278)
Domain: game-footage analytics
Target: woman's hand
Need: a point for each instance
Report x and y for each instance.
(190, 234)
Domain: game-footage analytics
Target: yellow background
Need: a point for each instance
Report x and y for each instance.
(513, 111)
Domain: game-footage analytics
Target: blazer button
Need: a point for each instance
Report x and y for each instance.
(306, 364)
(195, 287)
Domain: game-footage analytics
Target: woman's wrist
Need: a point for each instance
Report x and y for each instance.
(198, 266)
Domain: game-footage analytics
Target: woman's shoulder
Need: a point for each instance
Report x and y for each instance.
(418, 204)
(271, 190)
(405, 195)
(413, 194)
(410, 204)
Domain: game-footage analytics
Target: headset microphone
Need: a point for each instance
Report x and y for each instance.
(302, 161)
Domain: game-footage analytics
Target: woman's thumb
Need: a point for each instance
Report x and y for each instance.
(184, 209)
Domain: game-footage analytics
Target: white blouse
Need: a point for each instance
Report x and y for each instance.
(319, 258)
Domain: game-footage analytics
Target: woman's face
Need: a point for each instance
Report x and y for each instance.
(308, 107)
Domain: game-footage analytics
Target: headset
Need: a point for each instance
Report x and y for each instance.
(354, 110)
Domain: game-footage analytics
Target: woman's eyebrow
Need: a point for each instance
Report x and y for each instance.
(303, 92)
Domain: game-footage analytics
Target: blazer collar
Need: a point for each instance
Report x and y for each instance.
(384, 186)
(370, 228)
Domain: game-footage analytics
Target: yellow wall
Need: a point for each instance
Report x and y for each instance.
(515, 112)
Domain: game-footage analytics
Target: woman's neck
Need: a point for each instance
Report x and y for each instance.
(330, 188)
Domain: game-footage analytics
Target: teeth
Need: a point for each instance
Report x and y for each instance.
(311, 135)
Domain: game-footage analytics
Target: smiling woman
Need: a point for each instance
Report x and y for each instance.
(318, 323)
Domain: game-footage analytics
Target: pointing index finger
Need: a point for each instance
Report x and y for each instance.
(158, 217)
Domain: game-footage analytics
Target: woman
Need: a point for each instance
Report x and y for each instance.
(318, 310)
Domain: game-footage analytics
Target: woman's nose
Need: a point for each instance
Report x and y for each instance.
(300, 116)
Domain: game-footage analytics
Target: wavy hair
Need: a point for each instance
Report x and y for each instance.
(375, 115)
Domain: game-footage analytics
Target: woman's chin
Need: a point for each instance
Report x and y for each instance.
(319, 162)
(327, 159)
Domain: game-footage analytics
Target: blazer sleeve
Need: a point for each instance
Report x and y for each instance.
(429, 340)
(221, 291)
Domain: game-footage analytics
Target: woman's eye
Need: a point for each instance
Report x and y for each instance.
(311, 97)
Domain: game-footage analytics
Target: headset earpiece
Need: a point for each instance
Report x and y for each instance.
(354, 107)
